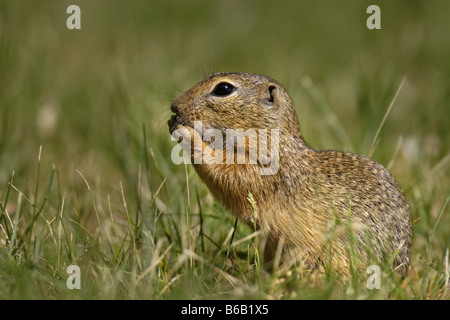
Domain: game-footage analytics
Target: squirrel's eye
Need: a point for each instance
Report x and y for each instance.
(223, 89)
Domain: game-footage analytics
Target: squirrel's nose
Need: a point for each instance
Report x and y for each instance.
(174, 107)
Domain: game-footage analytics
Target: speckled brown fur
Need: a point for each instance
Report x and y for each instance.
(319, 203)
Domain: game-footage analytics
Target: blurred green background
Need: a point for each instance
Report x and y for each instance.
(79, 93)
(86, 95)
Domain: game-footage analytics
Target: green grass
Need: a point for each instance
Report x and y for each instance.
(85, 170)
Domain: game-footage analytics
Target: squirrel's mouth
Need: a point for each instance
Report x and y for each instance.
(173, 123)
(176, 121)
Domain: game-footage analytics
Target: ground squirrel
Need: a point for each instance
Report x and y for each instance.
(318, 207)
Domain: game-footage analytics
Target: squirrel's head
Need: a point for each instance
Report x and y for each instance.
(229, 100)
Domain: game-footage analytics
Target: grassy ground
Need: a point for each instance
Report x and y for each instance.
(85, 170)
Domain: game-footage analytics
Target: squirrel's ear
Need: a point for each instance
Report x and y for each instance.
(270, 95)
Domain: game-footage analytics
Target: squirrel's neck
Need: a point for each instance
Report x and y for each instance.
(233, 183)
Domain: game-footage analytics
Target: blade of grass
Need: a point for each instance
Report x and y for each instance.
(95, 207)
(235, 282)
(154, 264)
(375, 138)
(59, 247)
(439, 166)
(36, 191)
(202, 242)
(44, 202)
(13, 240)
(446, 266)
(232, 237)
(436, 223)
(4, 211)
